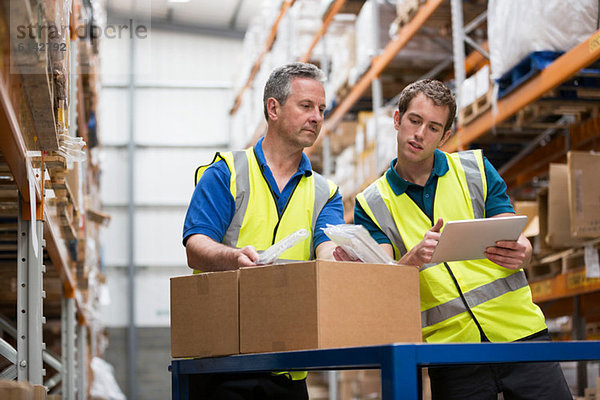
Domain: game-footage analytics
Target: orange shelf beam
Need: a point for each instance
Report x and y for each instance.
(560, 70)
(268, 44)
(378, 64)
(13, 146)
(333, 10)
(563, 285)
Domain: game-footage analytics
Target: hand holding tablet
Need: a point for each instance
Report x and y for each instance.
(468, 239)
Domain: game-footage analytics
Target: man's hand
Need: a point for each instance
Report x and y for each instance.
(423, 251)
(246, 256)
(205, 254)
(513, 254)
(340, 255)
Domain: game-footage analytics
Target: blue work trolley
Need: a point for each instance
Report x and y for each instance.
(399, 363)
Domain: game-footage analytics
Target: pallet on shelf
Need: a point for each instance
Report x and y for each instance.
(475, 109)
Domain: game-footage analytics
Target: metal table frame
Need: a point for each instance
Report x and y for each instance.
(399, 363)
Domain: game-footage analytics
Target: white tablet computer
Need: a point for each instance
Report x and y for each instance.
(468, 239)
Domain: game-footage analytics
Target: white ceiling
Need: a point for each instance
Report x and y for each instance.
(220, 14)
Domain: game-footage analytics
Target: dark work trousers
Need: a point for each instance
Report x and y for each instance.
(517, 381)
(250, 386)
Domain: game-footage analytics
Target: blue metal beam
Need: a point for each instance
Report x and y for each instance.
(399, 363)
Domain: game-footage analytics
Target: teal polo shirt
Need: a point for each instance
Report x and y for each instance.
(497, 201)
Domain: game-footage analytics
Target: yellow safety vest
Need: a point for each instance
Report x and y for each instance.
(457, 298)
(262, 226)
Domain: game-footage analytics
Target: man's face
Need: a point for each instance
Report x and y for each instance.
(421, 129)
(299, 120)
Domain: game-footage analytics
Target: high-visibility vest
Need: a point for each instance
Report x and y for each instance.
(460, 298)
(262, 226)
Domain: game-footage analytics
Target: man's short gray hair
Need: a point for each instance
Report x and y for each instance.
(279, 83)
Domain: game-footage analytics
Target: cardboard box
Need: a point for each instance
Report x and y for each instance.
(205, 315)
(559, 220)
(327, 304)
(15, 390)
(539, 246)
(529, 209)
(584, 193)
(39, 392)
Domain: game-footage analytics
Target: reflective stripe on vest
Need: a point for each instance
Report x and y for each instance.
(474, 182)
(242, 182)
(460, 194)
(384, 218)
(474, 298)
(322, 194)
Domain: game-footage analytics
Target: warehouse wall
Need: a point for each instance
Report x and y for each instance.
(180, 118)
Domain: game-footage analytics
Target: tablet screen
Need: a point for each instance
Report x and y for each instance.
(468, 239)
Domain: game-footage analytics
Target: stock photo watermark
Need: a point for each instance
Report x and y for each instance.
(37, 37)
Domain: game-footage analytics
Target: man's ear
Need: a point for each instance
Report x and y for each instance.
(272, 108)
(445, 137)
(397, 119)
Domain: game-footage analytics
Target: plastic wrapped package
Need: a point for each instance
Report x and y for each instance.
(358, 243)
(272, 254)
(369, 39)
(104, 384)
(305, 19)
(517, 28)
(340, 45)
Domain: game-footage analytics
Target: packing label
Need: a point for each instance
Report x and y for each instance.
(592, 265)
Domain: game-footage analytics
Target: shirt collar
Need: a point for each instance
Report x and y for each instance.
(399, 185)
(305, 168)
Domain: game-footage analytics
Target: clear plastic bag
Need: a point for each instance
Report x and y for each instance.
(71, 147)
(270, 255)
(358, 243)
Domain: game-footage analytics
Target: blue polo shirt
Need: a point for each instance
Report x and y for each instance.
(212, 206)
(497, 201)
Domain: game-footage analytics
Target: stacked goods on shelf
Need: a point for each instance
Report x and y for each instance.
(21, 390)
(584, 195)
(405, 10)
(295, 32)
(568, 219)
(475, 96)
(370, 38)
(419, 53)
(557, 25)
(32, 62)
(365, 151)
(368, 144)
(255, 39)
(340, 47)
(343, 152)
(305, 21)
(559, 221)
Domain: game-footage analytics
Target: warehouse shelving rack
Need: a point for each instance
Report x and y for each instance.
(558, 295)
(36, 260)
